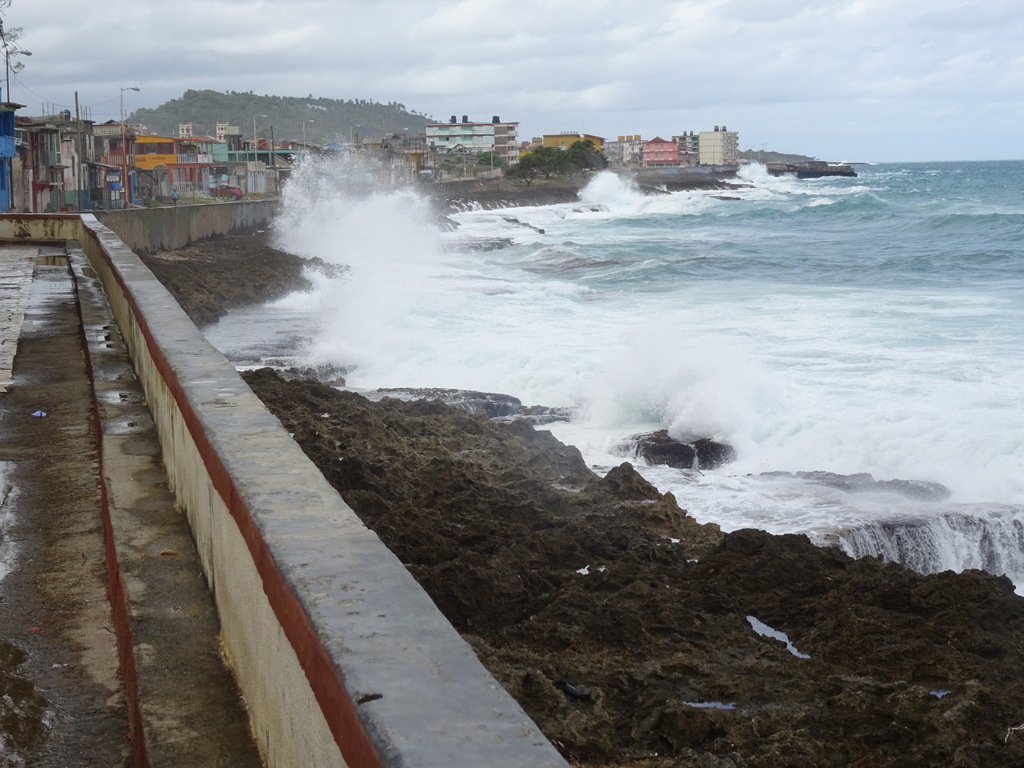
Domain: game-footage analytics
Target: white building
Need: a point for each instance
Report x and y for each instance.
(476, 138)
(625, 152)
(719, 147)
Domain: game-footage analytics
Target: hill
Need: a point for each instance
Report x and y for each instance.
(767, 156)
(324, 120)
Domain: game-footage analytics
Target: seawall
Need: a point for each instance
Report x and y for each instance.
(341, 657)
(146, 230)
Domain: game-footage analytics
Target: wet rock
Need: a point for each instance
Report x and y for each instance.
(660, 448)
(863, 482)
(210, 277)
(334, 375)
(482, 246)
(512, 220)
(552, 572)
(503, 408)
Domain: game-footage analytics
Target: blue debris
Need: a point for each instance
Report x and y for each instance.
(572, 691)
(709, 705)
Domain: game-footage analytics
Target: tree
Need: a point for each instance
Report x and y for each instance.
(490, 160)
(8, 39)
(527, 169)
(583, 157)
(580, 157)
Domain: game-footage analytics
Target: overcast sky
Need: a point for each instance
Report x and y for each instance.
(876, 80)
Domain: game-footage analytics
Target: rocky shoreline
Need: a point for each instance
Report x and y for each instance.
(632, 634)
(635, 636)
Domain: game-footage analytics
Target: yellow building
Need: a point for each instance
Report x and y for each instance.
(566, 140)
(151, 151)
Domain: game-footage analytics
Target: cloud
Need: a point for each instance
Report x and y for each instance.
(828, 78)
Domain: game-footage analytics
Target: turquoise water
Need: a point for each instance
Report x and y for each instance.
(869, 324)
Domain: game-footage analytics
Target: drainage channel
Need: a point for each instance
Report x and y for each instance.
(109, 641)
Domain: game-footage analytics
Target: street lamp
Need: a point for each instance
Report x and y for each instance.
(125, 192)
(254, 131)
(18, 66)
(304, 131)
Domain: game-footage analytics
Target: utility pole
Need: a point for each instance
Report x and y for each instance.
(82, 188)
(125, 192)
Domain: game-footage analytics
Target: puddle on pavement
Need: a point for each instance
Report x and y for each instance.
(8, 493)
(23, 711)
(51, 260)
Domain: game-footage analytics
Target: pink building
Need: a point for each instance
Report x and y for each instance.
(660, 153)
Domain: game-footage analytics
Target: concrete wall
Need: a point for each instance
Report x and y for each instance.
(341, 657)
(146, 230)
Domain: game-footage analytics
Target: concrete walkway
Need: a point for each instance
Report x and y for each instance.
(85, 516)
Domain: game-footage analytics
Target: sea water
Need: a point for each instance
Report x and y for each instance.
(871, 324)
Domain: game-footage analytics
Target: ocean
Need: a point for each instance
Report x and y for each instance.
(838, 325)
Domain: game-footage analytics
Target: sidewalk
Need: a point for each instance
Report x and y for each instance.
(63, 698)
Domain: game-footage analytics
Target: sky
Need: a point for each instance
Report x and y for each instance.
(841, 80)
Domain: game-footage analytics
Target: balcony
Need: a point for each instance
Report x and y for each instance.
(194, 159)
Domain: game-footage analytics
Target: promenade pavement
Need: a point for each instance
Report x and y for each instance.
(76, 441)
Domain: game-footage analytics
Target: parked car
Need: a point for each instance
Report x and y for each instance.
(226, 190)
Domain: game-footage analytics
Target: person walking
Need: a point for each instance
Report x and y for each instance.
(174, 196)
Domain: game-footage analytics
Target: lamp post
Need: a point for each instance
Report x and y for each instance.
(304, 131)
(254, 133)
(125, 191)
(17, 67)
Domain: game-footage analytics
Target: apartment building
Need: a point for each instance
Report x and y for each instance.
(498, 137)
(660, 153)
(689, 148)
(719, 147)
(625, 152)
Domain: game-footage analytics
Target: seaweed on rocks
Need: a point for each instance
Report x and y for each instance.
(554, 573)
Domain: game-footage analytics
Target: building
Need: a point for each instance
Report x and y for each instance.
(474, 138)
(114, 151)
(56, 166)
(566, 139)
(660, 153)
(689, 148)
(8, 142)
(231, 135)
(719, 147)
(506, 141)
(625, 152)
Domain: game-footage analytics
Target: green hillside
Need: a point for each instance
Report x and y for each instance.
(326, 120)
(766, 156)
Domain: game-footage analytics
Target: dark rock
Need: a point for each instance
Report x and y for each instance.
(210, 277)
(504, 408)
(482, 246)
(495, 520)
(512, 220)
(334, 375)
(572, 691)
(553, 573)
(862, 482)
(659, 448)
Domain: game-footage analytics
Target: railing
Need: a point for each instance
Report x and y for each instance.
(195, 158)
(118, 157)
